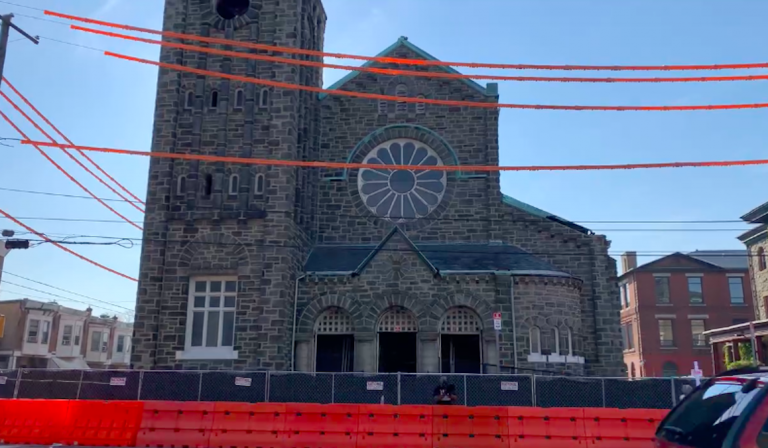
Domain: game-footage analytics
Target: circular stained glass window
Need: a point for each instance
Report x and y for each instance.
(402, 195)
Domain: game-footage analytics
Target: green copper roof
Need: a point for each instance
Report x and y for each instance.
(491, 91)
(509, 200)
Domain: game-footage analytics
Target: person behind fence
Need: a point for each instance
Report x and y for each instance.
(445, 393)
(686, 389)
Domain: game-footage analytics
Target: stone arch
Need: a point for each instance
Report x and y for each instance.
(213, 19)
(319, 304)
(211, 253)
(383, 302)
(438, 307)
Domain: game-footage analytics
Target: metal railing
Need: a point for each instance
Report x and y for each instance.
(296, 387)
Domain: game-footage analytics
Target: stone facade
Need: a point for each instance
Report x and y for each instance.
(759, 277)
(312, 240)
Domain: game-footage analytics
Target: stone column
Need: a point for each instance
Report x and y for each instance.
(429, 356)
(365, 352)
(304, 353)
(490, 353)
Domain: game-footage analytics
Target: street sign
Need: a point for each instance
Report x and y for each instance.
(696, 373)
(497, 321)
(245, 382)
(117, 381)
(375, 385)
(509, 385)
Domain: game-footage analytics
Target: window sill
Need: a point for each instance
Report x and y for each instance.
(663, 304)
(200, 354)
(536, 357)
(739, 304)
(574, 359)
(669, 348)
(697, 304)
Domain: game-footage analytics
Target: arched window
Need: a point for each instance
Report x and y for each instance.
(239, 98)
(181, 185)
(208, 185)
(567, 347)
(535, 336)
(259, 187)
(421, 108)
(264, 98)
(189, 100)
(214, 99)
(382, 107)
(401, 91)
(234, 183)
(555, 341)
(761, 259)
(334, 341)
(460, 344)
(669, 369)
(396, 335)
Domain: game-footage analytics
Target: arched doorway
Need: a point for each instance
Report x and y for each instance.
(460, 342)
(334, 341)
(397, 343)
(669, 369)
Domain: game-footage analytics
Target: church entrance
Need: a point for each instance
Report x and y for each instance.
(460, 342)
(397, 343)
(334, 342)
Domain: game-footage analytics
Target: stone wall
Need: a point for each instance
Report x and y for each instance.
(759, 278)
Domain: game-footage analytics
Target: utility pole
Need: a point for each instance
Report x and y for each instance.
(5, 31)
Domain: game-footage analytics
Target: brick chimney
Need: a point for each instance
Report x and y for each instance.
(628, 261)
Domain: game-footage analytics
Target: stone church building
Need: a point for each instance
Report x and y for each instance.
(261, 267)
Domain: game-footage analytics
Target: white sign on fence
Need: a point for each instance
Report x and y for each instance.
(3, 379)
(509, 385)
(375, 385)
(240, 381)
(117, 381)
(497, 321)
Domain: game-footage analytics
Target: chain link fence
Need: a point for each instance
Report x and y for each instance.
(297, 387)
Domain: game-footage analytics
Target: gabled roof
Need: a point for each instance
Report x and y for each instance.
(403, 41)
(509, 200)
(713, 260)
(757, 215)
(726, 259)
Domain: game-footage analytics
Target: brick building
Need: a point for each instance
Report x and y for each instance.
(669, 303)
(756, 240)
(247, 267)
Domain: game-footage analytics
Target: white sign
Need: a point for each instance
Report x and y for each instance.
(239, 381)
(497, 321)
(509, 385)
(375, 385)
(696, 373)
(117, 381)
(3, 379)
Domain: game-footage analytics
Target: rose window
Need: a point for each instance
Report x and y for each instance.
(401, 195)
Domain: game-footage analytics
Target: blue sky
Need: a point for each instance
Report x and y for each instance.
(99, 101)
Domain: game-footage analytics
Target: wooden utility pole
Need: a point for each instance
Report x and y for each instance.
(5, 31)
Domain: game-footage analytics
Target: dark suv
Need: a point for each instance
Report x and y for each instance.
(728, 411)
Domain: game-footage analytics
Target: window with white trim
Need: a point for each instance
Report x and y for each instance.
(96, 337)
(421, 108)
(66, 335)
(121, 343)
(259, 187)
(239, 98)
(46, 332)
(555, 341)
(397, 320)
(401, 91)
(78, 333)
(736, 290)
(460, 321)
(535, 337)
(234, 184)
(382, 107)
(264, 98)
(569, 342)
(33, 331)
(211, 314)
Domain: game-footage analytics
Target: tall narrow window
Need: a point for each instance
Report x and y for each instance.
(697, 333)
(555, 341)
(78, 333)
(630, 336)
(46, 332)
(33, 331)
(189, 100)
(662, 290)
(382, 107)
(211, 314)
(623, 292)
(121, 343)
(695, 291)
(208, 185)
(264, 98)
(96, 341)
(239, 99)
(234, 184)
(181, 185)
(66, 336)
(214, 99)
(569, 345)
(401, 91)
(761, 259)
(666, 336)
(259, 188)
(535, 335)
(421, 108)
(736, 289)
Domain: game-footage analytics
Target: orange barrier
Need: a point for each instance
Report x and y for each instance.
(170, 424)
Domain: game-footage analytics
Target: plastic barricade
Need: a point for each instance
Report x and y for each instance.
(621, 428)
(244, 425)
(33, 422)
(320, 426)
(547, 427)
(464, 427)
(102, 423)
(172, 424)
(386, 426)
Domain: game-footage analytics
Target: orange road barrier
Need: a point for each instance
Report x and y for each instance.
(343, 165)
(405, 61)
(171, 424)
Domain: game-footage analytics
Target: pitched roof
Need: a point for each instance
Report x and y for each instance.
(757, 215)
(439, 257)
(403, 41)
(509, 200)
(726, 259)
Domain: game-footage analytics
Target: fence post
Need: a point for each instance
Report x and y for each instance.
(602, 380)
(465, 390)
(333, 388)
(200, 387)
(398, 389)
(80, 384)
(266, 386)
(533, 390)
(141, 381)
(674, 395)
(18, 384)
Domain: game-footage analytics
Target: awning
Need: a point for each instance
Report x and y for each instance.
(68, 364)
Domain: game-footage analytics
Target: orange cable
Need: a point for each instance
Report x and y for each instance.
(59, 167)
(31, 106)
(467, 168)
(376, 96)
(65, 249)
(402, 60)
(416, 73)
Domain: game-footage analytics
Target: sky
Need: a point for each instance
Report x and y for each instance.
(98, 101)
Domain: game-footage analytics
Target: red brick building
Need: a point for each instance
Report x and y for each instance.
(667, 304)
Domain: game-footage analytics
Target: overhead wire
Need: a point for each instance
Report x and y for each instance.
(65, 298)
(64, 290)
(96, 165)
(63, 195)
(402, 61)
(53, 162)
(450, 168)
(65, 249)
(414, 73)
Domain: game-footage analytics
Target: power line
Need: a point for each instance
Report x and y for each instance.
(73, 196)
(64, 290)
(22, 6)
(22, 295)
(60, 296)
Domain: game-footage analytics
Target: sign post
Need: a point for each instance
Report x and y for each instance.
(696, 373)
(497, 330)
